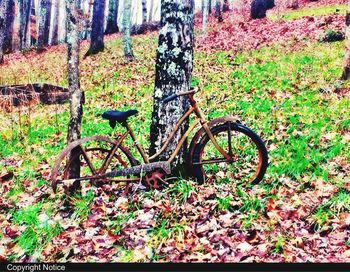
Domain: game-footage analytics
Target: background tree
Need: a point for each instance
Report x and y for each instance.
(97, 43)
(226, 6)
(258, 9)
(173, 74)
(128, 52)
(76, 96)
(346, 68)
(8, 27)
(150, 18)
(56, 16)
(218, 14)
(24, 16)
(205, 15)
(144, 11)
(2, 29)
(112, 19)
(44, 23)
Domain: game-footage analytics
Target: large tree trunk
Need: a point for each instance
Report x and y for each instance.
(112, 19)
(128, 52)
(76, 98)
(205, 14)
(44, 23)
(24, 16)
(8, 25)
(97, 43)
(56, 16)
(346, 69)
(218, 14)
(173, 74)
(144, 11)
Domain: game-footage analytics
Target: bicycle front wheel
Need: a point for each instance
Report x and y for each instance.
(249, 159)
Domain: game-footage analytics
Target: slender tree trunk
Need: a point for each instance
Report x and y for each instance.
(173, 74)
(56, 16)
(205, 14)
(346, 68)
(128, 52)
(218, 14)
(150, 15)
(76, 96)
(144, 11)
(97, 43)
(87, 21)
(9, 21)
(210, 7)
(112, 19)
(33, 31)
(24, 17)
(226, 6)
(44, 23)
(2, 29)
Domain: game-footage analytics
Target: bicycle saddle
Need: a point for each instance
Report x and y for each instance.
(118, 116)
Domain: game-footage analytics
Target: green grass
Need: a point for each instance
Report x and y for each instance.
(312, 11)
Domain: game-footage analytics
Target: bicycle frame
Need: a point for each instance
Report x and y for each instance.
(200, 120)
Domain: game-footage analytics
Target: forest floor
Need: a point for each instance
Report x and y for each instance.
(274, 74)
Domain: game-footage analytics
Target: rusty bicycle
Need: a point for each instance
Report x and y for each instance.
(222, 147)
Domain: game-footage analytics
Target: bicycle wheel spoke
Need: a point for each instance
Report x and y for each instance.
(210, 161)
(92, 168)
(229, 140)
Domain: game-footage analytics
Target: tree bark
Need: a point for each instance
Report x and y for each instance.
(346, 68)
(128, 52)
(205, 14)
(218, 14)
(97, 35)
(8, 25)
(210, 7)
(54, 29)
(44, 23)
(173, 74)
(112, 19)
(144, 11)
(24, 16)
(76, 96)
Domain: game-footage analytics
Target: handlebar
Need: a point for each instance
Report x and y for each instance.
(175, 95)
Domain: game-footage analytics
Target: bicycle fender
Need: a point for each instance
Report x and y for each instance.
(212, 123)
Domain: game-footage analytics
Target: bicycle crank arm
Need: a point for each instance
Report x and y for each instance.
(144, 168)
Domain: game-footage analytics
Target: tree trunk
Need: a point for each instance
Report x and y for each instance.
(173, 74)
(2, 29)
(150, 15)
(226, 6)
(346, 68)
(97, 43)
(144, 11)
(210, 7)
(128, 52)
(218, 14)
(205, 14)
(8, 25)
(56, 16)
(76, 96)
(24, 16)
(44, 23)
(112, 19)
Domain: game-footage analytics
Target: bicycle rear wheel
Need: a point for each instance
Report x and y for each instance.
(97, 156)
(249, 159)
